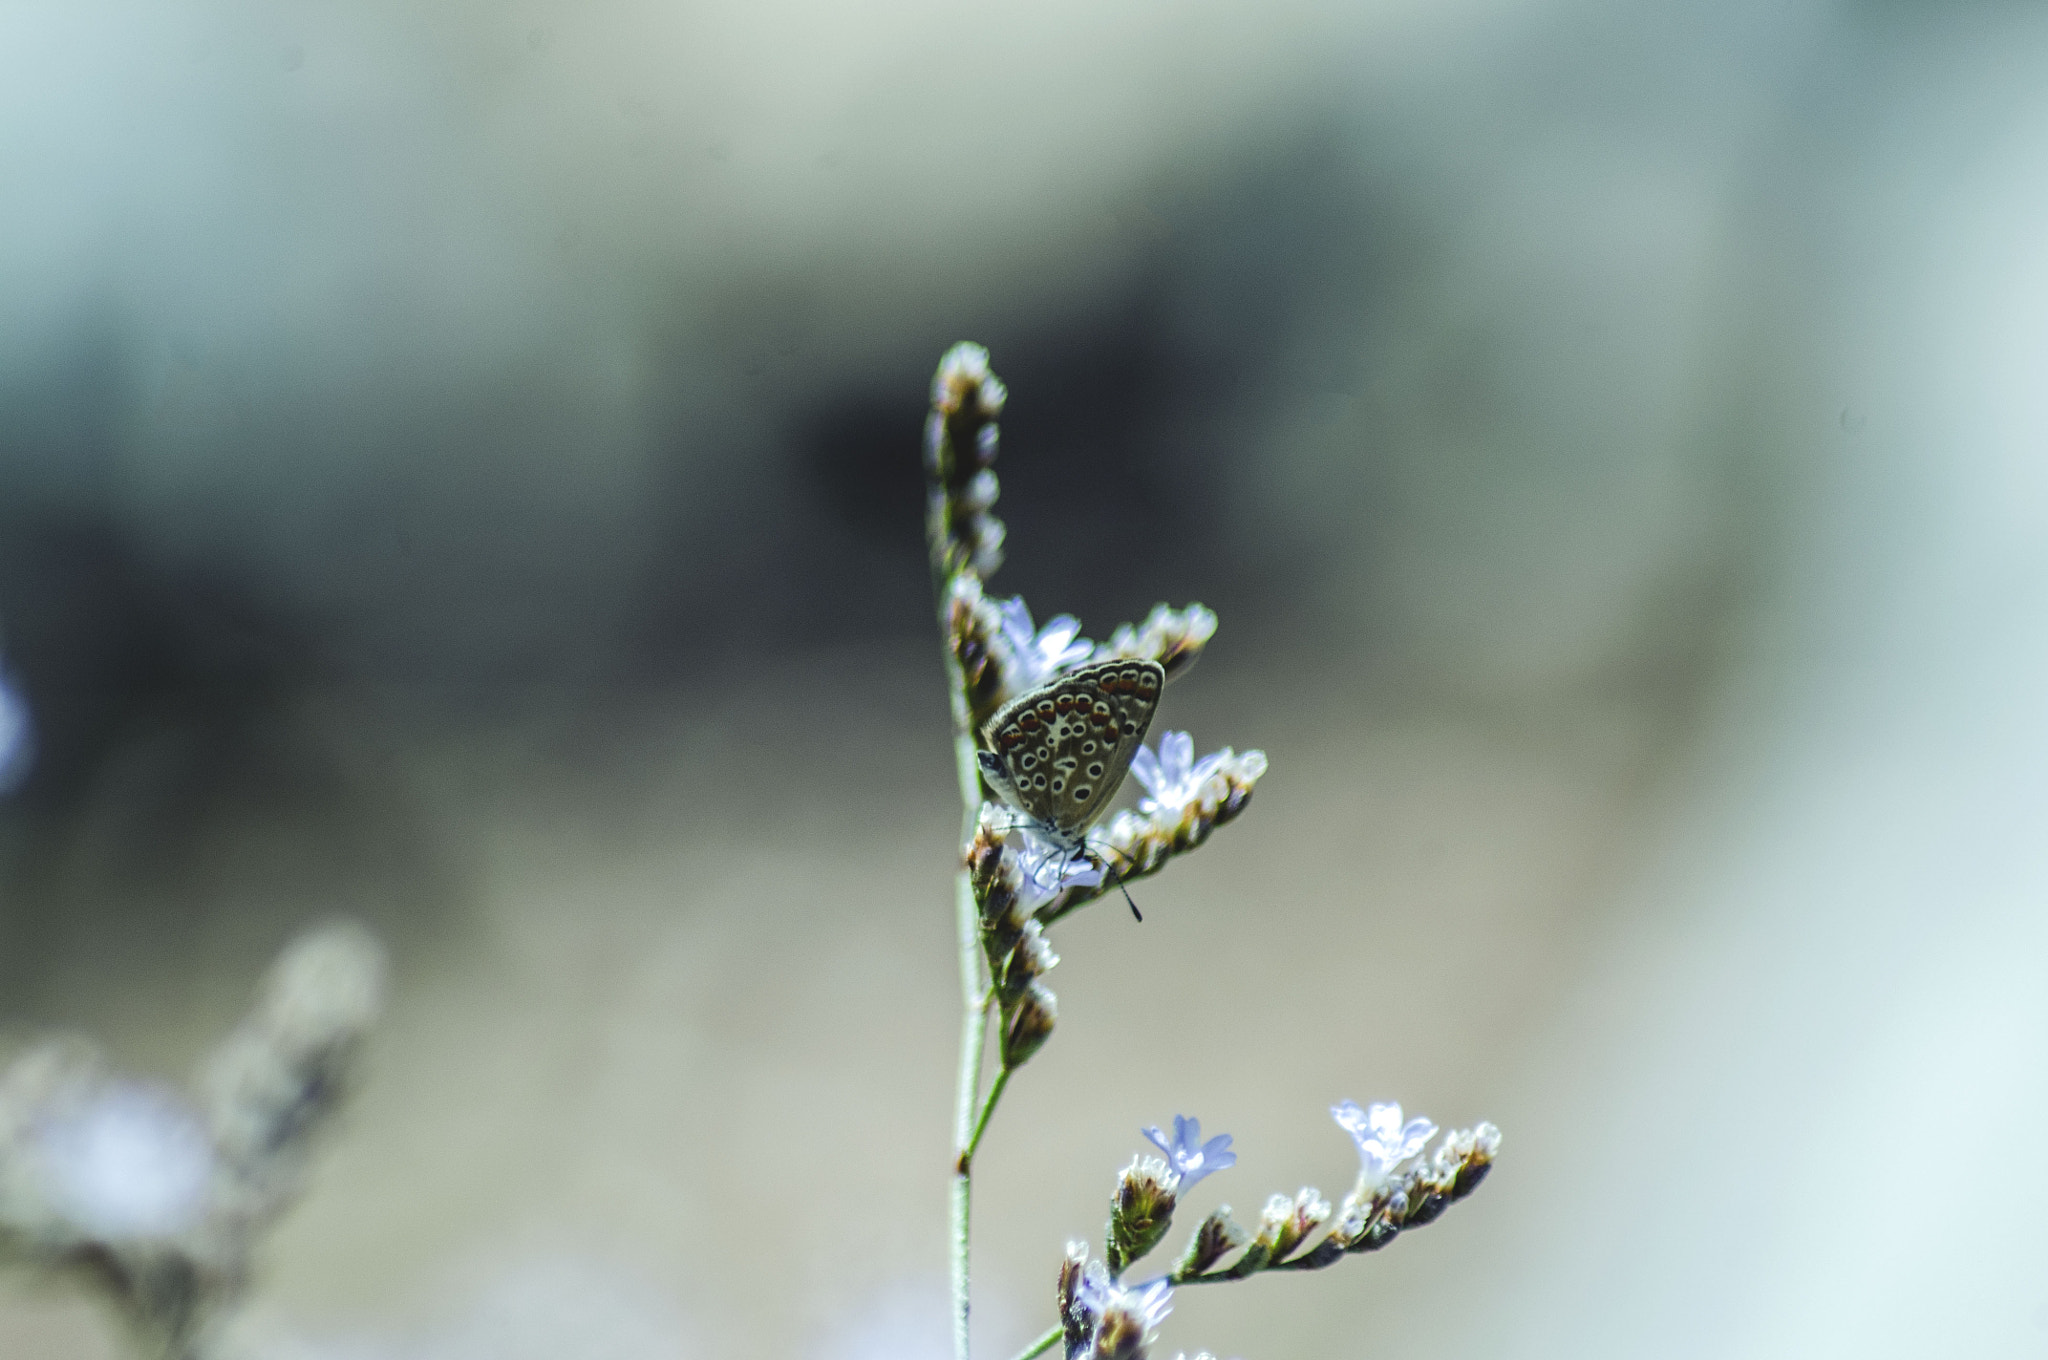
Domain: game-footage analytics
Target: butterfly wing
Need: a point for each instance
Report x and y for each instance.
(1064, 749)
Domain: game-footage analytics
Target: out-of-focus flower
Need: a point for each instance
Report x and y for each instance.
(959, 452)
(1172, 637)
(1037, 655)
(1384, 1142)
(125, 1161)
(17, 734)
(1190, 1157)
(273, 1081)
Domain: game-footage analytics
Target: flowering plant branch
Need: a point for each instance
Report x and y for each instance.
(157, 1198)
(1030, 860)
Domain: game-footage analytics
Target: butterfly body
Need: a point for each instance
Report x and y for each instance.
(1058, 753)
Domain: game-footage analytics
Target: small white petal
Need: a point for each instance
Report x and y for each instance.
(1175, 751)
(1145, 767)
(128, 1161)
(1417, 1132)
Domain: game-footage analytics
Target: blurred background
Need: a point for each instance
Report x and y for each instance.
(459, 468)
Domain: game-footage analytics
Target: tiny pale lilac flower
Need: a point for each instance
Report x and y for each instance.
(1095, 1289)
(1150, 1302)
(1190, 1157)
(1173, 778)
(1048, 870)
(126, 1161)
(1129, 1318)
(1037, 656)
(1384, 1142)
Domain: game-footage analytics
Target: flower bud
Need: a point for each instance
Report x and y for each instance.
(1172, 637)
(1285, 1224)
(1218, 1236)
(1140, 1211)
(1030, 958)
(1029, 1024)
(1077, 1319)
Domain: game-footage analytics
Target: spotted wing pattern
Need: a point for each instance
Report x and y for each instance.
(1064, 749)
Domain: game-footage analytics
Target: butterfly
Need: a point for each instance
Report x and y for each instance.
(1058, 753)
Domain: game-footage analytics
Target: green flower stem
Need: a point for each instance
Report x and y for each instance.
(975, 992)
(1042, 1345)
(988, 1107)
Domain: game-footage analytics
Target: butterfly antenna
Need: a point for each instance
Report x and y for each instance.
(1136, 915)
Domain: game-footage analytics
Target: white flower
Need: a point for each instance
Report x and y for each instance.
(1189, 1156)
(1170, 777)
(1036, 657)
(129, 1160)
(1049, 869)
(17, 734)
(1384, 1142)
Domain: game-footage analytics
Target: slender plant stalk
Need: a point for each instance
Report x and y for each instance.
(974, 1001)
(1042, 1345)
(988, 1107)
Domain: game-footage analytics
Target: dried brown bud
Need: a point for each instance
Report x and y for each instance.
(1028, 1024)
(1218, 1236)
(1172, 637)
(960, 446)
(974, 629)
(1029, 959)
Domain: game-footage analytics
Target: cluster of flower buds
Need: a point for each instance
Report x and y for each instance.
(1172, 637)
(1101, 1319)
(1141, 1210)
(1397, 1189)
(290, 1063)
(1002, 653)
(1008, 877)
(959, 459)
(156, 1197)
(974, 630)
(1186, 800)
(1380, 1208)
